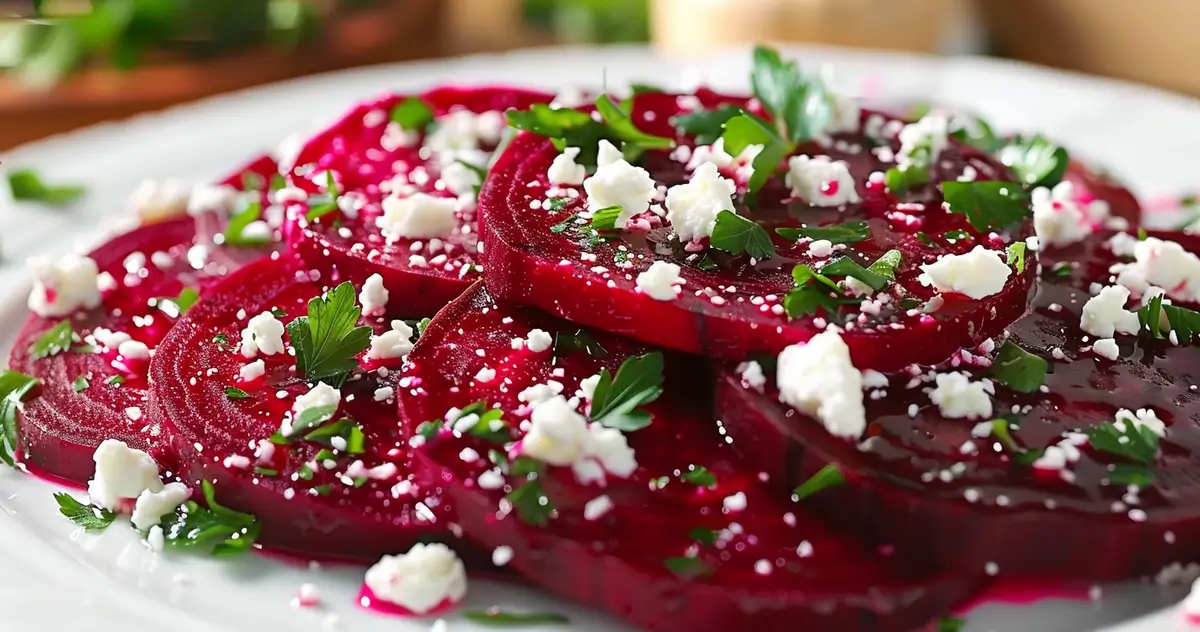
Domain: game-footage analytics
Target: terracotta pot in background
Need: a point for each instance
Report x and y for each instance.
(1153, 41)
(689, 27)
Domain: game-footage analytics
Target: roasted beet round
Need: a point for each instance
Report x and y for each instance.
(372, 156)
(983, 490)
(537, 254)
(1091, 184)
(685, 540)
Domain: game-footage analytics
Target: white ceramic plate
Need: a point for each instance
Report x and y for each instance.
(53, 577)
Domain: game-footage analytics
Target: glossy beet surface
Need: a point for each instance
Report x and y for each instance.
(732, 308)
(926, 485)
(1091, 184)
(372, 158)
(327, 508)
(759, 563)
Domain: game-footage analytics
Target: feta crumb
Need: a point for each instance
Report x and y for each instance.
(460, 179)
(587, 386)
(122, 473)
(734, 503)
(692, 207)
(660, 281)
(159, 200)
(1104, 314)
(152, 506)
(485, 375)
(620, 184)
(319, 396)
(538, 341)
(263, 333)
(252, 371)
(394, 343)
(607, 154)
(595, 508)
(1160, 263)
(821, 181)
(502, 555)
(821, 249)
(564, 171)
(156, 539)
(752, 375)
(1191, 604)
(417, 216)
(134, 350)
(977, 274)
(539, 392)
(958, 397)
(208, 198)
(420, 580)
(374, 296)
(384, 393)
(716, 156)
(922, 142)
(61, 287)
(1106, 348)
(558, 435)
(819, 379)
(1060, 219)
(1142, 418)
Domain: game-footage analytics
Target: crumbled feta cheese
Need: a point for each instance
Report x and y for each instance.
(977, 274)
(455, 131)
(252, 371)
(821, 249)
(595, 508)
(374, 296)
(460, 179)
(716, 155)
(607, 154)
(152, 506)
(538, 341)
(1104, 314)
(122, 474)
(502, 555)
(752, 375)
(319, 396)
(109, 339)
(134, 350)
(620, 184)
(660, 281)
(1106, 348)
(263, 333)
(734, 503)
(485, 375)
(922, 142)
(420, 580)
(564, 171)
(1061, 219)
(395, 343)
(558, 435)
(821, 181)
(1160, 263)
(1142, 418)
(692, 207)
(818, 378)
(158, 200)
(416, 216)
(156, 539)
(587, 386)
(958, 397)
(63, 286)
(539, 392)
(209, 198)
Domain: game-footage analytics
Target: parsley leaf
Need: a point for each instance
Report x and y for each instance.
(115, 380)
(1181, 320)
(975, 132)
(1018, 369)
(27, 186)
(326, 203)
(606, 218)
(233, 392)
(276, 183)
(178, 305)
(801, 107)
(500, 618)
(951, 624)
(14, 386)
(848, 233)
(736, 235)
(1129, 440)
(706, 125)
(237, 225)
(1016, 255)
(220, 530)
(700, 476)
(813, 292)
(1037, 162)
(80, 384)
(531, 503)
(707, 537)
(572, 128)
(327, 340)
(900, 181)
(1002, 431)
(638, 382)
(877, 275)
(828, 476)
(345, 429)
(622, 126)
(1125, 474)
(56, 340)
(988, 205)
(89, 517)
(252, 181)
(580, 340)
(745, 130)
(412, 114)
(687, 567)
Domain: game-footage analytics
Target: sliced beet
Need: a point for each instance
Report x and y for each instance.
(366, 152)
(1092, 184)
(728, 307)
(348, 511)
(924, 484)
(770, 567)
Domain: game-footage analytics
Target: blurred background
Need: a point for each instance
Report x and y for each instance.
(68, 63)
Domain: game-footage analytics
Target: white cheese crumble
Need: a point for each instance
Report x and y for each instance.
(977, 274)
(134, 350)
(152, 506)
(460, 179)
(426, 577)
(318, 396)
(1104, 314)
(1106, 348)
(1160, 263)
(692, 207)
(1141, 418)
(564, 171)
(716, 155)
(620, 184)
(538, 341)
(538, 393)
(417, 216)
(958, 397)
(660, 281)
(587, 386)
(210, 198)
(457, 131)
(63, 286)
(922, 142)
(819, 379)
(1060, 219)
(252, 371)
(374, 296)
(122, 474)
(559, 435)
(263, 333)
(395, 343)
(607, 154)
(821, 181)
(158, 200)
(752, 374)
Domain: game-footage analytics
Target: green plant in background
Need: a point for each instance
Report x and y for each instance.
(578, 21)
(126, 33)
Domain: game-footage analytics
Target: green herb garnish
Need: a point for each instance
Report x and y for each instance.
(848, 233)
(412, 114)
(1036, 161)
(89, 517)
(877, 275)
(326, 203)
(80, 384)
(745, 130)
(1130, 440)
(616, 400)
(531, 503)
(737, 235)
(176, 306)
(327, 339)
(1183, 322)
(115, 380)
(1016, 256)
(988, 205)
(606, 218)
(700, 476)
(215, 528)
(900, 181)
(27, 186)
(1018, 369)
(56, 340)
(801, 107)
(345, 429)
(687, 567)
(828, 476)
(572, 128)
(579, 340)
(14, 387)
(706, 125)
(237, 225)
(502, 618)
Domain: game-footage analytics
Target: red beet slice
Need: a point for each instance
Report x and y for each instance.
(737, 308)
(347, 511)
(923, 483)
(771, 567)
(365, 153)
(1091, 184)
(85, 398)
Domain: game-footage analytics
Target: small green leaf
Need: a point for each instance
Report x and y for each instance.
(313, 417)
(237, 225)
(252, 181)
(1126, 474)
(176, 306)
(1062, 269)
(321, 205)
(745, 130)
(80, 384)
(27, 186)
(14, 387)
(115, 380)
(233, 392)
(89, 517)
(277, 182)
(606, 218)
(412, 114)
(801, 106)
(328, 339)
(618, 120)
(877, 275)
(56, 340)
(848, 233)
(700, 476)
(974, 132)
(828, 476)
(687, 567)
(958, 235)
(579, 340)
(265, 471)
(430, 429)
(1018, 369)
(707, 537)
(616, 400)
(501, 618)
(215, 528)
(531, 503)
(900, 181)
(1185, 323)
(1016, 256)
(988, 205)
(737, 235)
(706, 125)
(1037, 162)
(951, 624)
(1131, 441)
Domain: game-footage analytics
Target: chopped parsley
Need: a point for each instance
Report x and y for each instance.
(234, 232)
(737, 235)
(232, 392)
(1125, 439)
(975, 132)
(828, 476)
(813, 293)
(214, 528)
(1016, 256)
(1002, 430)
(1183, 322)
(530, 501)
(900, 181)
(606, 218)
(951, 624)
(848, 233)
(27, 186)
(877, 275)
(700, 476)
(176, 306)
(89, 517)
(80, 384)
(346, 430)
(616, 400)
(277, 182)
(252, 181)
(801, 107)
(687, 567)
(706, 537)
(745, 130)
(115, 380)
(328, 338)
(1037, 162)
(579, 340)
(501, 618)
(1018, 369)
(988, 205)
(412, 114)
(706, 125)
(325, 203)
(571, 128)
(56, 340)
(14, 387)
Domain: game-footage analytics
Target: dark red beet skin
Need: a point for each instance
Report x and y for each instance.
(735, 310)
(773, 568)
(924, 485)
(363, 154)
(322, 513)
